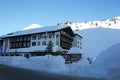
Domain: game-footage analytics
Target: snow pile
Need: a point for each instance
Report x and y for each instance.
(110, 57)
(109, 61)
(56, 48)
(46, 63)
(96, 40)
(54, 64)
(82, 69)
(32, 26)
(74, 50)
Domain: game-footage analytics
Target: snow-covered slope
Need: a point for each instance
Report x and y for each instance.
(96, 40)
(108, 23)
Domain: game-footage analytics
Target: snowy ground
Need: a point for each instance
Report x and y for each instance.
(56, 65)
(106, 65)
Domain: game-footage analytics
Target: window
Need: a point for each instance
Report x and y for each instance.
(20, 38)
(38, 43)
(28, 38)
(43, 43)
(62, 44)
(62, 38)
(50, 43)
(80, 43)
(13, 45)
(34, 37)
(33, 43)
(17, 45)
(77, 42)
(1, 42)
(39, 36)
(44, 35)
(50, 35)
(11, 40)
(25, 38)
(28, 44)
(67, 46)
(14, 39)
(24, 44)
(57, 36)
(20, 44)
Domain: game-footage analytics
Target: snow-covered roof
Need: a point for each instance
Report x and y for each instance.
(36, 30)
(77, 33)
(74, 50)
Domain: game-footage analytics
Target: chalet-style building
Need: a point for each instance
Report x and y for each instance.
(52, 39)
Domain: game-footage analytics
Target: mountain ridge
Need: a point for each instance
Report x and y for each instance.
(113, 23)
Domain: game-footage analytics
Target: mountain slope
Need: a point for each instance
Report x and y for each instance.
(113, 23)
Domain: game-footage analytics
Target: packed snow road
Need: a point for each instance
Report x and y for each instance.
(12, 73)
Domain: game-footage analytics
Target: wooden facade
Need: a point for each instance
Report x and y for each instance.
(20, 41)
(66, 38)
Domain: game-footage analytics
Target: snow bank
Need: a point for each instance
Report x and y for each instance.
(109, 57)
(74, 50)
(56, 48)
(46, 63)
(96, 40)
(53, 64)
(109, 60)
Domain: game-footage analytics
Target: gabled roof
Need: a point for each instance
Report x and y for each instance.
(36, 30)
